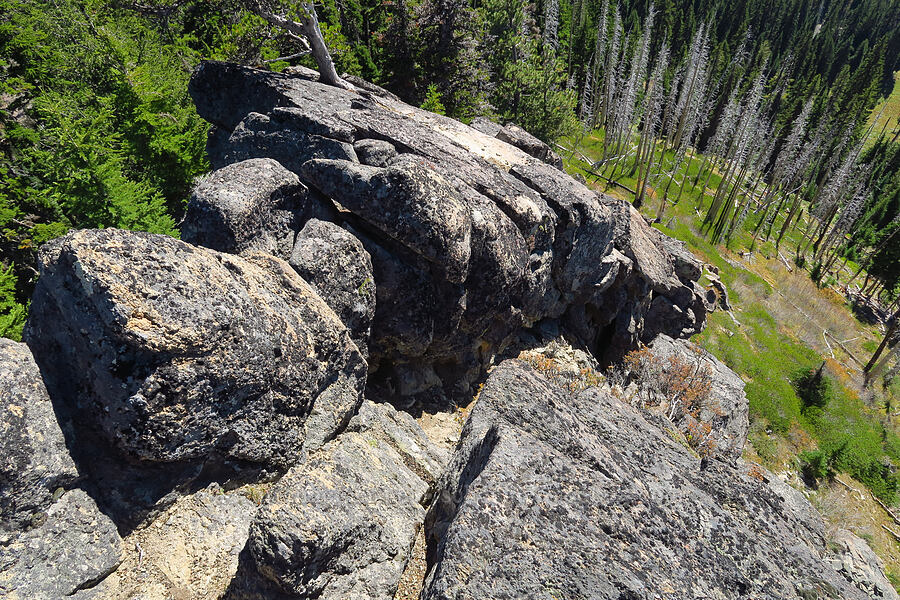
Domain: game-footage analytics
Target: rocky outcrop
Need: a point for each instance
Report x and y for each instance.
(34, 461)
(552, 494)
(215, 393)
(341, 524)
(173, 354)
(252, 205)
(471, 237)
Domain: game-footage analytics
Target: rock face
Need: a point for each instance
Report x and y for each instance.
(75, 547)
(856, 561)
(34, 461)
(470, 237)
(174, 354)
(553, 495)
(341, 525)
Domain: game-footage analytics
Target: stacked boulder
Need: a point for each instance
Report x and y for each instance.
(206, 417)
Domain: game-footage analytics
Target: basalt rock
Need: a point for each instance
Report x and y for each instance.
(34, 461)
(177, 355)
(471, 237)
(555, 494)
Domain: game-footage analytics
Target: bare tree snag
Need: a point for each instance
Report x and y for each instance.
(306, 29)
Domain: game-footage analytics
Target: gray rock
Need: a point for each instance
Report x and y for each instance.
(482, 237)
(273, 136)
(485, 126)
(340, 270)
(559, 495)
(518, 137)
(729, 411)
(34, 461)
(342, 524)
(75, 547)
(687, 266)
(255, 204)
(375, 153)
(177, 354)
(404, 435)
(410, 203)
(861, 566)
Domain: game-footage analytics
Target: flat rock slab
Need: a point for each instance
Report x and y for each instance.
(176, 353)
(554, 495)
(34, 461)
(75, 547)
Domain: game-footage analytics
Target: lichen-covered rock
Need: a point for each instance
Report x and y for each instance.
(558, 495)
(471, 237)
(74, 547)
(255, 204)
(34, 461)
(176, 353)
(727, 410)
(412, 204)
(342, 524)
(189, 551)
(335, 263)
(857, 562)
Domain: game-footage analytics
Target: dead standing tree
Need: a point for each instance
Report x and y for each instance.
(306, 30)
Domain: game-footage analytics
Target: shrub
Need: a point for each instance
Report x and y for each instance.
(813, 388)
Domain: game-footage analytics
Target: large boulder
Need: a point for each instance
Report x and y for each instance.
(578, 495)
(174, 354)
(251, 205)
(341, 525)
(34, 461)
(73, 546)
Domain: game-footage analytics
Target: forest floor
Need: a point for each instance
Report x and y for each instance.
(782, 324)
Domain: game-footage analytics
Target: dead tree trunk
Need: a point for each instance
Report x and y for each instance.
(306, 29)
